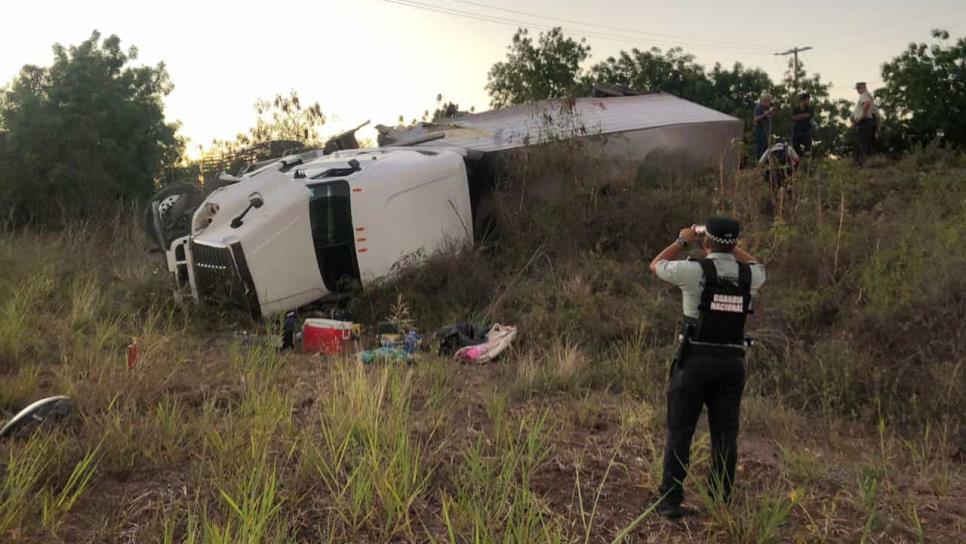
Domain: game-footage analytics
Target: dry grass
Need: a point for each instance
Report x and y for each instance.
(850, 431)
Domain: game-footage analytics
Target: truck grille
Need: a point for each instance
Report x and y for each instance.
(217, 277)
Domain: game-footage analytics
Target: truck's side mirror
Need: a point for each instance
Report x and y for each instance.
(255, 200)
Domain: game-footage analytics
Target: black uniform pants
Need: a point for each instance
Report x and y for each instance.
(802, 143)
(865, 135)
(696, 381)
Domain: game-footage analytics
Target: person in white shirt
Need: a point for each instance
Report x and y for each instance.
(865, 121)
(778, 163)
(709, 368)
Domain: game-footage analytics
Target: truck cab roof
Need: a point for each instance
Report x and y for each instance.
(311, 166)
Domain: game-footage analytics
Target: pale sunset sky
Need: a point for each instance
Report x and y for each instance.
(377, 59)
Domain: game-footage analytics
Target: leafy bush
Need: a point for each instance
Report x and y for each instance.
(83, 134)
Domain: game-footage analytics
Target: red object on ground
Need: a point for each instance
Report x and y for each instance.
(325, 335)
(133, 354)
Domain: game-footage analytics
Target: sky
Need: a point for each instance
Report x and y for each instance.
(379, 59)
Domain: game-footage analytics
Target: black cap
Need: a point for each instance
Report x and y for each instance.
(723, 230)
(804, 95)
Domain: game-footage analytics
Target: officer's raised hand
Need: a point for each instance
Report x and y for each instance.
(686, 236)
(689, 234)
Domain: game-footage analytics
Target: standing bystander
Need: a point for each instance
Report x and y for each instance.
(802, 116)
(764, 110)
(864, 119)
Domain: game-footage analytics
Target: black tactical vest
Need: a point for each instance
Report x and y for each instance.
(724, 306)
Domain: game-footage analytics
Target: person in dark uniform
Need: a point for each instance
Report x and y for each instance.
(802, 125)
(709, 368)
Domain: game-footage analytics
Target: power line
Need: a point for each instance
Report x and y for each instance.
(592, 33)
(794, 51)
(756, 46)
(520, 23)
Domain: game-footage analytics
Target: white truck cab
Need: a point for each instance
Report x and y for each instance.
(308, 226)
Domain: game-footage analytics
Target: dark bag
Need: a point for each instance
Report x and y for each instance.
(453, 337)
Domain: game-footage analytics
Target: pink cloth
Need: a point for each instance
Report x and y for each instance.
(497, 340)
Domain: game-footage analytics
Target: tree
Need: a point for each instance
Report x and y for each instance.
(831, 133)
(445, 109)
(85, 133)
(924, 97)
(673, 71)
(549, 68)
(283, 118)
(735, 91)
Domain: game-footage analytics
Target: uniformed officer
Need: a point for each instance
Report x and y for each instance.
(709, 367)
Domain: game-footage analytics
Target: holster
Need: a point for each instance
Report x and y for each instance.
(684, 346)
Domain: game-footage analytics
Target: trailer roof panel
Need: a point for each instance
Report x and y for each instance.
(544, 121)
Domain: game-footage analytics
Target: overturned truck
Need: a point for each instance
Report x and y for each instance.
(310, 227)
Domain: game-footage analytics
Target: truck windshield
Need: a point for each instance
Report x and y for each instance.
(330, 216)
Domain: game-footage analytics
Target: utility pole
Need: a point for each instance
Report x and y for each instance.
(795, 51)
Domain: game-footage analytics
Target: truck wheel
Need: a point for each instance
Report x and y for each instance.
(168, 213)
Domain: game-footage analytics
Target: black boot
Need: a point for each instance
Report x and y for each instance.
(671, 511)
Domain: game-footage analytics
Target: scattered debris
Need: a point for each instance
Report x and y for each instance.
(497, 340)
(50, 408)
(384, 355)
(460, 335)
(389, 334)
(133, 354)
(325, 335)
(412, 342)
(343, 141)
(288, 331)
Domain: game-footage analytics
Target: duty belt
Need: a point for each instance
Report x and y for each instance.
(688, 346)
(716, 350)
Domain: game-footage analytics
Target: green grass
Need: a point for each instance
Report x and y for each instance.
(22, 477)
(32, 490)
(749, 519)
(802, 465)
(55, 505)
(492, 498)
(372, 466)
(252, 508)
(18, 316)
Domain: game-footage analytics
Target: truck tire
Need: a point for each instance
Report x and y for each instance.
(168, 213)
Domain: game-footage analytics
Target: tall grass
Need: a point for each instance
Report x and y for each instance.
(374, 469)
(748, 519)
(252, 508)
(55, 505)
(32, 489)
(19, 319)
(21, 479)
(492, 498)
